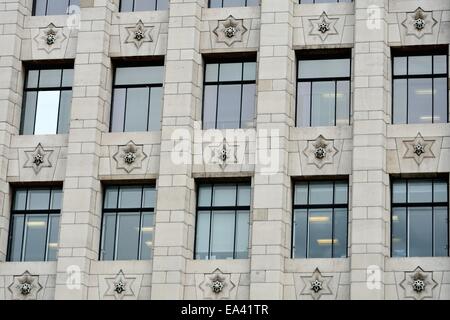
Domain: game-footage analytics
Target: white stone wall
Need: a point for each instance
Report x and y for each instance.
(368, 150)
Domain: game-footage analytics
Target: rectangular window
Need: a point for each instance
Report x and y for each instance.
(419, 88)
(229, 95)
(323, 90)
(320, 219)
(47, 101)
(143, 5)
(53, 7)
(137, 98)
(419, 224)
(232, 3)
(128, 222)
(223, 213)
(323, 1)
(34, 228)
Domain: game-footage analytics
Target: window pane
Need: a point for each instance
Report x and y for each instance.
(136, 109)
(17, 237)
(139, 75)
(303, 104)
(209, 107)
(154, 121)
(35, 236)
(204, 196)
(320, 233)
(420, 101)
(340, 233)
(144, 5)
(57, 7)
(233, 3)
(32, 80)
(441, 231)
(149, 197)
(440, 191)
(342, 103)
(399, 191)
(222, 235)
(38, 199)
(340, 192)
(50, 78)
(242, 234)
(324, 68)
(163, 4)
(320, 192)
(230, 72)
(301, 193)
(202, 235)
(224, 195)
(400, 100)
(20, 198)
(420, 191)
(243, 195)
(67, 79)
(130, 197)
(323, 103)
(126, 5)
(440, 100)
(400, 65)
(127, 235)
(53, 237)
(249, 71)
(440, 64)
(40, 6)
(212, 72)
(420, 232)
(399, 233)
(147, 236)
(229, 106)
(108, 236)
(56, 199)
(300, 233)
(47, 112)
(118, 110)
(64, 111)
(248, 105)
(111, 197)
(30, 111)
(419, 65)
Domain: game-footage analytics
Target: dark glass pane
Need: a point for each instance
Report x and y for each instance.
(50, 78)
(126, 5)
(212, 72)
(127, 235)
(419, 65)
(47, 112)
(440, 191)
(320, 192)
(320, 233)
(440, 64)
(342, 103)
(420, 191)
(30, 112)
(300, 233)
(420, 100)
(20, 199)
(340, 233)
(144, 5)
(330, 68)
(400, 100)
(53, 237)
(202, 235)
(64, 111)
(222, 235)
(399, 191)
(139, 75)
(301, 193)
(40, 6)
(242, 234)
(204, 196)
(224, 195)
(340, 192)
(229, 106)
(33, 78)
(441, 231)
(149, 197)
(303, 104)
(399, 232)
(248, 105)
(154, 121)
(56, 199)
(57, 7)
(17, 237)
(215, 3)
(35, 237)
(67, 79)
(249, 71)
(130, 197)
(230, 71)
(147, 236)
(163, 4)
(420, 232)
(400, 65)
(244, 195)
(136, 109)
(108, 236)
(118, 110)
(233, 3)
(111, 197)
(38, 199)
(323, 103)
(440, 100)
(209, 107)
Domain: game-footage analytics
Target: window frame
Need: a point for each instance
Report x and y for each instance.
(323, 54)
(25, 212)
(418, 51)
(408, 204)
(116, 210)
(232, 59)
(308, 206)
(134, 4)
(33, 11)
(212, 208)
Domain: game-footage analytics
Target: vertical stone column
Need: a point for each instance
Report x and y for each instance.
(11, 82)
(175, 212)
(272, 200)
(370, 216)
(81, 209)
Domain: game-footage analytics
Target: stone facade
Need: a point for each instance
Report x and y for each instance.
(367, 151)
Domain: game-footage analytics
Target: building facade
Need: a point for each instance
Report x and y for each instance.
(224, 149)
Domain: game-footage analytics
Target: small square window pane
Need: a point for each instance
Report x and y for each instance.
(419, 65)
(320, 192)
(399, 191)
(32, 80)
(127, 235)
(230, 71)
(147, 232)
(320, 233)
(249, 71)
(163, 4)
(130, 197)
(67, 79)
(340, 192)
(50, 78)
(420, 232)
(301, 193)
(212, 72)
(420, 191)
(399, 232)
(47, 112)
(400, 65)
(17, 237)
(20, 199)
(202, 235)
(56, 199)
(440, 191)
(204, 196)
(35, 237)
(126, 5)
(38, 199)
(243, 195)
(300, 233)
(441, 232)
(224, 195)
(149, 197)
(440, 64)
(111, 197)
(108, 236)
(222, 235)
